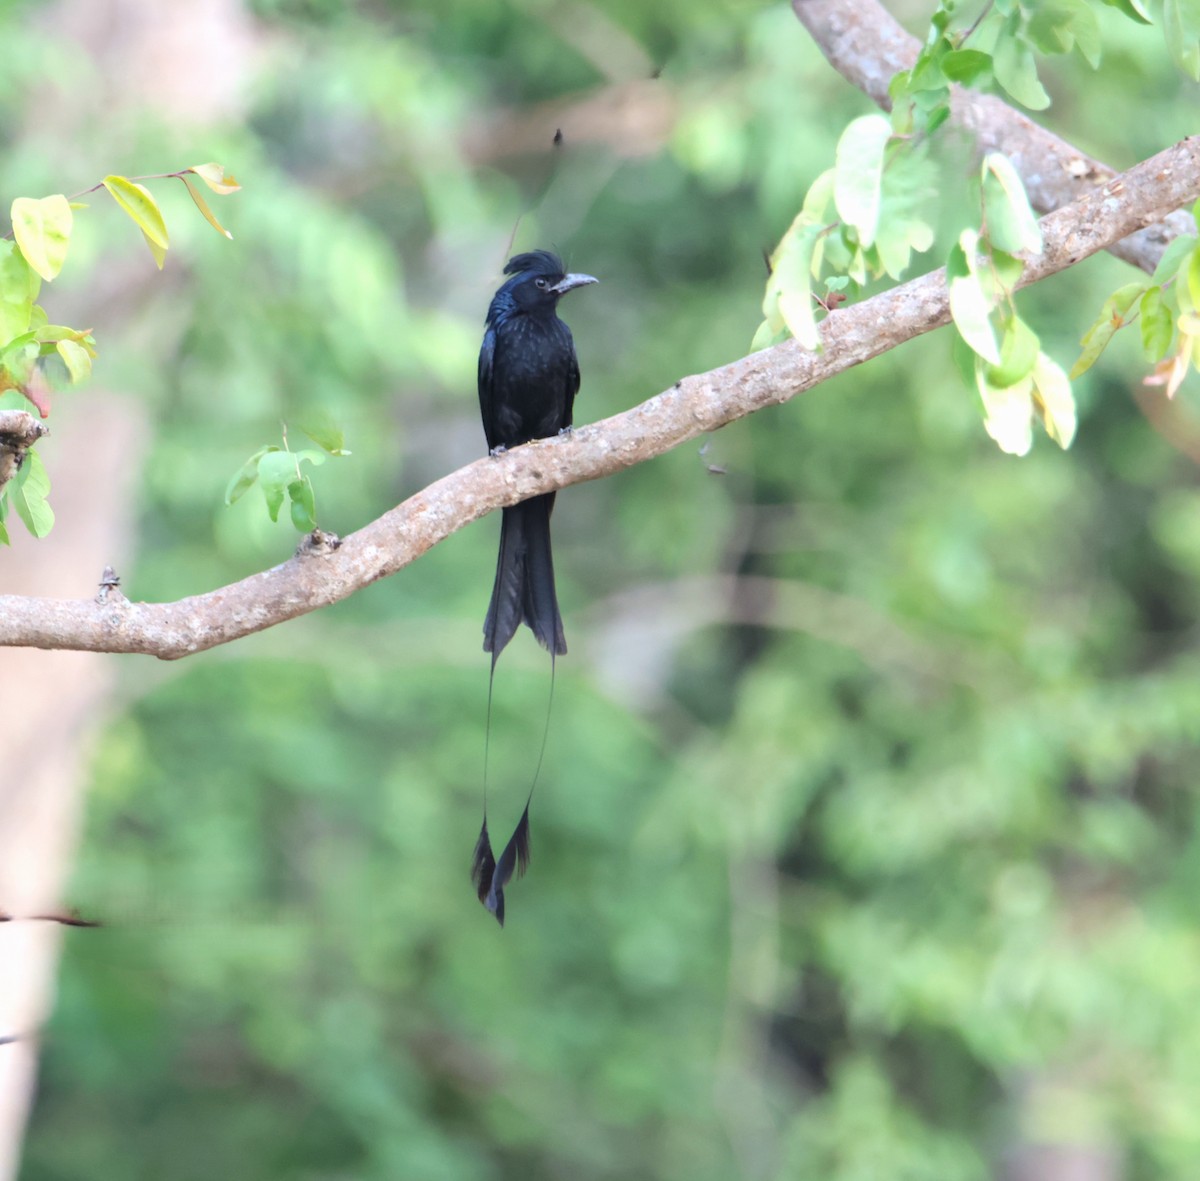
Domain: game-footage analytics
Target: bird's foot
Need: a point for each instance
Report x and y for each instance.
(497, 451)
(566, 432)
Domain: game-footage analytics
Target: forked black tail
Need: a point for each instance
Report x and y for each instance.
(488, 875)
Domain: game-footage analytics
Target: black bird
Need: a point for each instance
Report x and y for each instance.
(528, 378)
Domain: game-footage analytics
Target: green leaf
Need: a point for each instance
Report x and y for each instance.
(1112, 316)
(1188, 282)
(1018, 355)
(966, 65)
(1132, 9)
(1011, 224)
(1173, 255)
(304, 504)
(766, 336)
(137, 202)
(324, 430)
(858, 179)
(42, 229)
(1158, 325)
(246, 476)
(1057, 26)
(1007, 268)
(1008, 412)
(16, 299)
(1181, 28)
(76, 358)
(4, 539)
(1054, 401)
(308, 455)
(818, 198)
(908, 203)
(970, 303)
(1016, 70)
(276, 470)
(29, 489)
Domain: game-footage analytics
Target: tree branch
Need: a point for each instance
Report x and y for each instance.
(19, 430)
(324, 571)
(867, 46)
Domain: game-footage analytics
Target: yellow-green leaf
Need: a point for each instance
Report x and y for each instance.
(159, 252)
(136, 200)
(215, 176)
(205, 212)
(76, 358)
(42, 229)
(1112, 316)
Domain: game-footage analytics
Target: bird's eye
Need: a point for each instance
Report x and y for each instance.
(541, 284)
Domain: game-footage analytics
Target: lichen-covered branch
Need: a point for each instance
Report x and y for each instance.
(867, 46)
(323, 573)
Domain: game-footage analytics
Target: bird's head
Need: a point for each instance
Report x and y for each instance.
(539, 280)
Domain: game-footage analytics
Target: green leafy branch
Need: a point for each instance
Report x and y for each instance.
(1006, 38)
(1168, 307)
(40, 238)
(277, 471)
(1017, 382)
(862, 219)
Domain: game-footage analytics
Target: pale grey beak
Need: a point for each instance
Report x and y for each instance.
(570, 282)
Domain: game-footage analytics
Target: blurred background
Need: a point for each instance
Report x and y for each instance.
(866, 843)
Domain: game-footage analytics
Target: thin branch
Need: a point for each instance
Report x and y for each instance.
(866, 45)
(324, 573)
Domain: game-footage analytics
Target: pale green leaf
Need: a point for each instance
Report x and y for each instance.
(246, 476)
(1158, 327)
(970, 302)
(29, 489)
(1173, 255)
(788, 299)
(16, 302)
(1133, 9)
(324, 430)
(1012, 226)
(858, 179)
(42, 229)
(276, 470)
(1181, 29)
(1054, 400)
(1016, 70)
(1008, 412)
(1018, 354)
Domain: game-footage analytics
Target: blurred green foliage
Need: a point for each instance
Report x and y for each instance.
(866, 845)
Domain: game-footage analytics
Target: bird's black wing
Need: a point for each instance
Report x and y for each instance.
(487, 357)
(572, 387)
